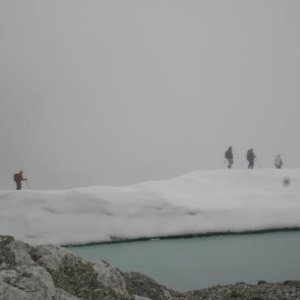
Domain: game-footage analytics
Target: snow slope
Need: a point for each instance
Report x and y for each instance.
(198, 202)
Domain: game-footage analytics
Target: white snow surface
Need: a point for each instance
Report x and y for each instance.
(195, 203)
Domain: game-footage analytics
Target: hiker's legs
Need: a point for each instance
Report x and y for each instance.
(230, 163)
(251, 164)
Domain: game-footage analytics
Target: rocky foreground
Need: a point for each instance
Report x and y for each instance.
(51, 272)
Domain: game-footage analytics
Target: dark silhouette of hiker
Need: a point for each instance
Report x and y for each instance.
(278, 162)
(251, 157)
(18, 178)
(229, 157)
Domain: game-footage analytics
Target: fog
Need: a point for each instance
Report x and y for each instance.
(117, 92)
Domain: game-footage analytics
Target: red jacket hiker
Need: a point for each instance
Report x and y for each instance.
(18, 178)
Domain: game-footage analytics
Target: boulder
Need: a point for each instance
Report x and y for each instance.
(110, 277)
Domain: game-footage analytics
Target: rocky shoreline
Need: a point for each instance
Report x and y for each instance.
(51, 272)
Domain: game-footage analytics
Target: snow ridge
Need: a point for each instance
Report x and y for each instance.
(195, 203)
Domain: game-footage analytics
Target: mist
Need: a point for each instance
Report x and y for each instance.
(117, 92)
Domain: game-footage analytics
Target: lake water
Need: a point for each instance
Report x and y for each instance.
(194, 263)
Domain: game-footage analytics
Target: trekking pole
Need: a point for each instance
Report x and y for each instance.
(28, 187)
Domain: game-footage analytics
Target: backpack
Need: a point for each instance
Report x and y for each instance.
(278, 162)
(16, 177)
(249, 155)
(228, 154)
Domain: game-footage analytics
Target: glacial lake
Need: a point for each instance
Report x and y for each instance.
(193, 263)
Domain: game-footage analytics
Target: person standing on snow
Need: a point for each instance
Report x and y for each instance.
(18, 178)
(278, 162)
(251, 157)
(229, 157)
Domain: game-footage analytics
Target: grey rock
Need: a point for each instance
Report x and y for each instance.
(37, 281)
(139, 284)
(140, 298)
(51, 272)
(21, 252)
(266, 291)
(34, 280)
(63, 295)
(7, 275)
(7, 257)
(49, 256)
(9, 292)
(110, 277)
(6, 239)
(79, 278)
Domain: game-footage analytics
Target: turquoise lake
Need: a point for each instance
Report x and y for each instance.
(194, 263)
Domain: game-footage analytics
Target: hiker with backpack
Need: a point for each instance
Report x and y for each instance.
(18, 178)
(251, 157)
(229, 156)
(278, 162)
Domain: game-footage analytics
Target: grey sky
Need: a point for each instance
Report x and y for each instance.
(116, 92)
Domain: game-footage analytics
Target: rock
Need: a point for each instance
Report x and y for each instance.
(63, 295)
(7, 256)
(53, 273)
(9, 292)
(5, 240)
(79, 278)
(75, 275)
(286, 181)
(20, 274)
(49, 256)
(295, 283)
(35, 281)
(235, 294)
(140, 298)
(21, 253)
(139, 284)
(267, 291)
(110, 277)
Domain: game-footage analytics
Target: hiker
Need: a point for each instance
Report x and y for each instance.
(251, 157)
(278, 162)
(18, 178)
(229, 157)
